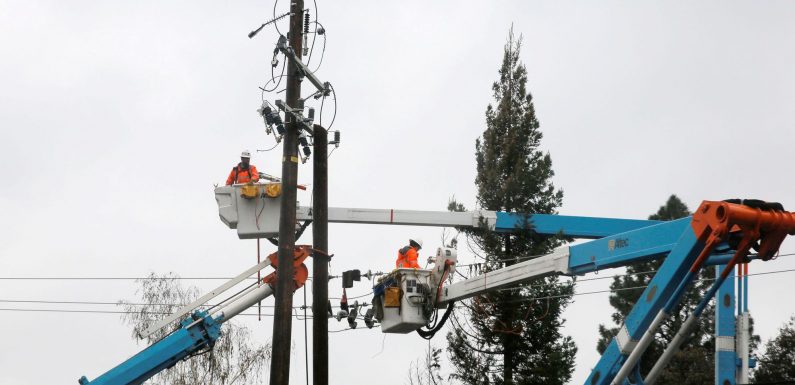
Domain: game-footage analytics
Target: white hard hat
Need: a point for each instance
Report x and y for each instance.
(245, 154)
(417, 241)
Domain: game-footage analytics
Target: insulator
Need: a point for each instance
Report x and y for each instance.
(276, 118)
(268, 114)
(306, 33)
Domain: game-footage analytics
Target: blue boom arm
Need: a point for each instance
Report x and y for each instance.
(199, 332)
(720, 233)
(195, 335)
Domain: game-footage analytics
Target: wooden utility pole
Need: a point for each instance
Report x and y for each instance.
(320, 257)
(282, 320)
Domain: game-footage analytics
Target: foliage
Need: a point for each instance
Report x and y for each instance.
(428, 372)
(777, 364)
(234, 358)
(512, 336)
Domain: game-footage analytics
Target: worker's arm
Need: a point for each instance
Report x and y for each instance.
(254, 174)
(411, 258)
(231, 177)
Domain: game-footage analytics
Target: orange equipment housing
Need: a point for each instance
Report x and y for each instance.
(301, 272)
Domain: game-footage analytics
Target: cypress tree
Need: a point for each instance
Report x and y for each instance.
(512, 336)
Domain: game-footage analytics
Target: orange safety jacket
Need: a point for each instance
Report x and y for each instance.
(242, 175)
(407, 257)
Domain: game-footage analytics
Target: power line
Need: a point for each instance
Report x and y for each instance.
(300, 307)
(629, 288)
(115, 278)
(100, 311)
(57, 302)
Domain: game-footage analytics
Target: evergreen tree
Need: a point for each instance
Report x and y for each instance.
(512, 336)
(778, 363)
(694, 363)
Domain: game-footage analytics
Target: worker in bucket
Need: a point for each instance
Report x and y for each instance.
(244, 172)
(407, 256)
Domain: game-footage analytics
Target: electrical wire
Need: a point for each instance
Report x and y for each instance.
(228, 278)
(322, 102)
(358, 296)
(334, 97)
(299, 307)
(274, 146)
(306, 343)
(274, 16)
(102, 311)
(322, 51)
(114, 278)
(273, 80)
(312, 49)
(345, 330)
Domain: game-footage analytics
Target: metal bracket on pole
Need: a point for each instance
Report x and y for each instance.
(305, 122)
(306, 125)
(323, 88)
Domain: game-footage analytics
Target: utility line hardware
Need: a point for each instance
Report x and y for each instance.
(324, 88)
(305, 124)
(271, 21)
(272, 119)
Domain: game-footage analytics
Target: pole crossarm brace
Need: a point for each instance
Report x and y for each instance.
(297, 114)
(323, 88)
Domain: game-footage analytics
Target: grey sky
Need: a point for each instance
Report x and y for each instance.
(118, 117)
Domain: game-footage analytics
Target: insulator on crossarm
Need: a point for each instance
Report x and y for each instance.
(306, 33)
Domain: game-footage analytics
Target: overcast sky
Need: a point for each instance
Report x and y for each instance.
(118, 117)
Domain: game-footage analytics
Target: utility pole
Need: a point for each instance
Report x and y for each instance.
(282, 320)
(320, 257)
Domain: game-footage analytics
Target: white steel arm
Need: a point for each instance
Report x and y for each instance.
(550, 264)
(212, 294)
(403, 217)
(258, 217)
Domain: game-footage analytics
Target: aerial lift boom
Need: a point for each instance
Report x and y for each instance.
(719, 233)
(200, 330)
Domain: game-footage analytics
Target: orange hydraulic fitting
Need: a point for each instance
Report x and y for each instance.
(301, 272)
(714, 221)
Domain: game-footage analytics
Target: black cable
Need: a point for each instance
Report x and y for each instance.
(228, 278)
(274, 16)
(322, 101)
(323, 51)
(273, 79)
(364, 295)
(102, 311)
(113, 278)
(274, 146)
(333, 96)
(105, 303)
(306, 337)
(428, 334)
